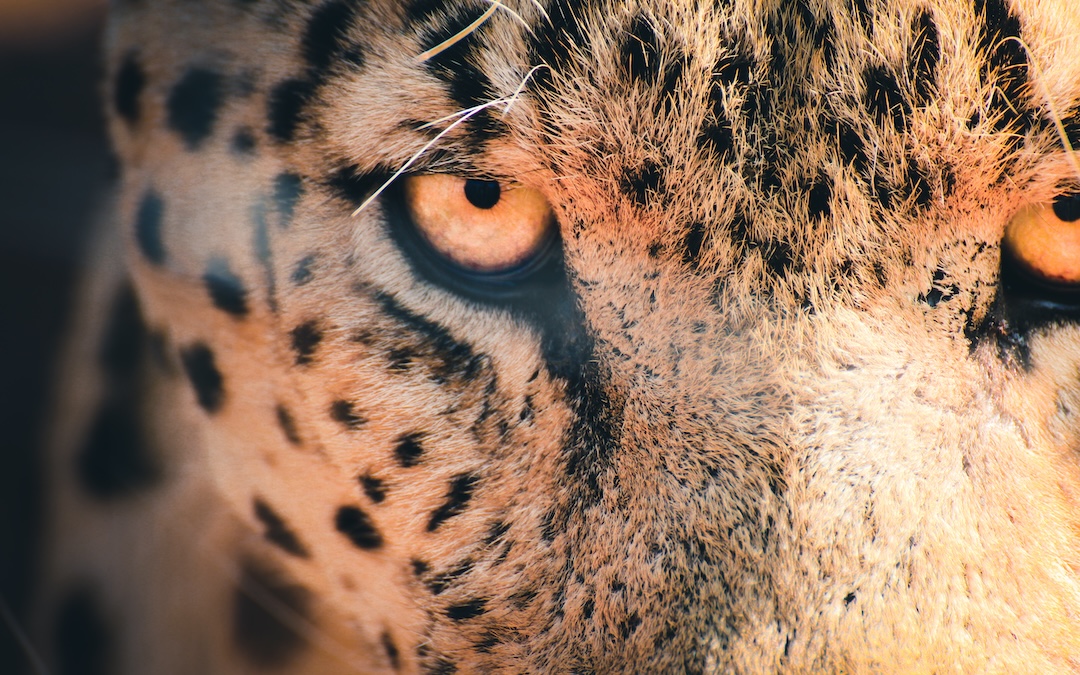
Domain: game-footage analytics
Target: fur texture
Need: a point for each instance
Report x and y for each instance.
(781, 414)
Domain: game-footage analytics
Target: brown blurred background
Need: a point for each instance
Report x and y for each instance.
(54, 167)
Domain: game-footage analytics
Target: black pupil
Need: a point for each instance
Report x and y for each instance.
(484, 194)
(1067, 207)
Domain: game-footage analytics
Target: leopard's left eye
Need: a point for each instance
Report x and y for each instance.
(1042, 243)
(480, 226)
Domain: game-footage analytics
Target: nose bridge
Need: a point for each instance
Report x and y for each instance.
(684, 344)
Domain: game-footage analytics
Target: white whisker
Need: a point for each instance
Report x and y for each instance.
(419, 153)
(1070, 151)
(460, 35)
(459, 117)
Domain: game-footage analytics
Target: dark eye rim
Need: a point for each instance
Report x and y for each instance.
(1039, 293)
(542, 271)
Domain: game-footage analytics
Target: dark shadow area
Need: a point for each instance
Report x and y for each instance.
(53, 171)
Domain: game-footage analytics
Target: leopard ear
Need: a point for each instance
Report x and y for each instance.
(1043, 241)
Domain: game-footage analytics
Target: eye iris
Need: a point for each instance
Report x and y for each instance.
(1067, 207)
(483, 194)
(1045, 245)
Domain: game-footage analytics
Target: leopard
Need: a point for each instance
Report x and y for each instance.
(592, 336)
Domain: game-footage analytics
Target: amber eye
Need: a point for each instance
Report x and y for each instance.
(480, 226)
(1043, 241)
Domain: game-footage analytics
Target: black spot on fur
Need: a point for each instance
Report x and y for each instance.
(1072, 130)
(440, 582)
(716, 137)
(121, 349)
(819, 198)
(420, 568)
(114, 460)
(409, 450)
(587, 608)
(264, 252)
(148, 224)
(243, 142)
(883, 192)
(277, 532)
(355, 187)
(489, 640)
(457, 498)
(302, 274)
(695, 236)
(629, 626)
(357, 526)
(288, 188)
(286, 105)
(641, 51)
(642, 182)
(130, 82)
(923, 56)
(305, 339)
(82, 641)
(852, 148)
(917, 184)
(564, 34)
(419, 11)
(392, 654)
(732, 68)
(862, 12)
(264, 606)
(778, 257)
(883, 98)
(374, 488)
(324, 36)
(205, 377)
(450, 359)
(457, 66)
(939, 292)
(467, 610)
(225, 288)
(441, 665)
(288, 425)
(344, 413)
(193, 105)
(496, 532)
(1006, 65)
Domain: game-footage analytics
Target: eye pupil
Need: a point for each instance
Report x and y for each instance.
(1067, 207)
(483, 194)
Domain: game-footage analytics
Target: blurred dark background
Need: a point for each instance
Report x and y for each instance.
(54, 169)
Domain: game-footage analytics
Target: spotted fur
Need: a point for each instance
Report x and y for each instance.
(774, 412)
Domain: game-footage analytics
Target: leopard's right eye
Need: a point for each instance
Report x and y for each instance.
(1041, 249)
(480, 225)
(486, 240)
(1040, 257)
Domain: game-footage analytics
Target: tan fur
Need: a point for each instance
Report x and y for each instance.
(813, 471)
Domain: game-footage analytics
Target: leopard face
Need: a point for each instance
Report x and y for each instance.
(581, 337)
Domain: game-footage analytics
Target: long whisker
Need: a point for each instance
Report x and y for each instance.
(1074, 157)
(460, 35)
(461, 117)
(420, 153)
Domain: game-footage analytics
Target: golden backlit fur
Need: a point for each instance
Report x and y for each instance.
(787, 419)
